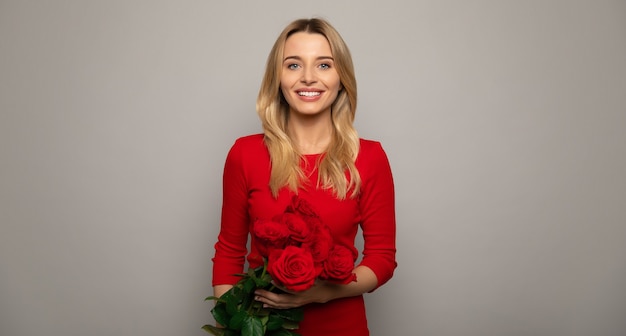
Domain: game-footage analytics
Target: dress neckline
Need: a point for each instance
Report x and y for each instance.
(312, 155)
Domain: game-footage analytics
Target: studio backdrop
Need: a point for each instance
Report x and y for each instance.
(504, 122)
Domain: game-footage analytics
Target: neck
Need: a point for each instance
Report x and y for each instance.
(310, 136)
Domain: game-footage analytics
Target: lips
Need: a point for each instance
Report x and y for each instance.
(309, 96)
(309, 92)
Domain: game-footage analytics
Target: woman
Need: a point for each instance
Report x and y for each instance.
(310, 148)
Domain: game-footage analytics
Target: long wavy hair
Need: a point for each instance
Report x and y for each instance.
(337, 170)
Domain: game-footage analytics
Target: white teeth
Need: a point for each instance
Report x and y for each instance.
(309, 94)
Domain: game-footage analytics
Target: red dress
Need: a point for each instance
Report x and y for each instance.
(247, 196)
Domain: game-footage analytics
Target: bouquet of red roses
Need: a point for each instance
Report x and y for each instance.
(297, 248)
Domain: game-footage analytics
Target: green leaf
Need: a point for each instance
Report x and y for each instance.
(290, 325)
(220, 314)
(267, 278)
(215, 298)
(259, 270)
(248, 300)
(233, 301)
(226, 296)
(258, 308)
(237, 320)
(294, 314)
(282, 332)
(264, 281)
(263, 320)
(213, 330)
(229, 293)
(252, 326)
(249, 285)
(274, 322)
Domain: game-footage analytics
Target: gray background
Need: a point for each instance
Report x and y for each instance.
(503, 121)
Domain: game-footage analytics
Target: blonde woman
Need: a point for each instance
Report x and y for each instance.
(309, 148)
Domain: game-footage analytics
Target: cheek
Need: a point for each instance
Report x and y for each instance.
(335, 88)
(335, 83)
(288, 80)
(285, 96)
(285, 88)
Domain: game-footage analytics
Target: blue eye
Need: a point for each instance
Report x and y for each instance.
(325, 66)
(293, 66)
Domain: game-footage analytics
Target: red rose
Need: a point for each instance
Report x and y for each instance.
(269, 235)
(320, 243)
(293, 268)
(339, 265)
(302, 207)
(299, 230)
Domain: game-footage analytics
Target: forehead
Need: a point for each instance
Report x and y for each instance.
(307, 44)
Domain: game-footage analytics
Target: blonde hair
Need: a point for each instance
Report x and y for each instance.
(273, 110)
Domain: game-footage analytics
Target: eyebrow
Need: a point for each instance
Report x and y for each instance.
(300, 58)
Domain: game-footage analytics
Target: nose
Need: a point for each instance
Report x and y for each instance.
(308, 75)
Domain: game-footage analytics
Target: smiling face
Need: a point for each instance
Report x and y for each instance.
(309, 81)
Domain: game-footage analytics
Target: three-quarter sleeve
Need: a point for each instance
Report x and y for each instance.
(230, 248)
(377, 207)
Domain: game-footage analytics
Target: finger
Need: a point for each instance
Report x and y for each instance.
(269, 300)
(274, 301)
(269, 304)
(266, 295)
(282, 288)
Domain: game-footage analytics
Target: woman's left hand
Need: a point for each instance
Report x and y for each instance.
(320, 292)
